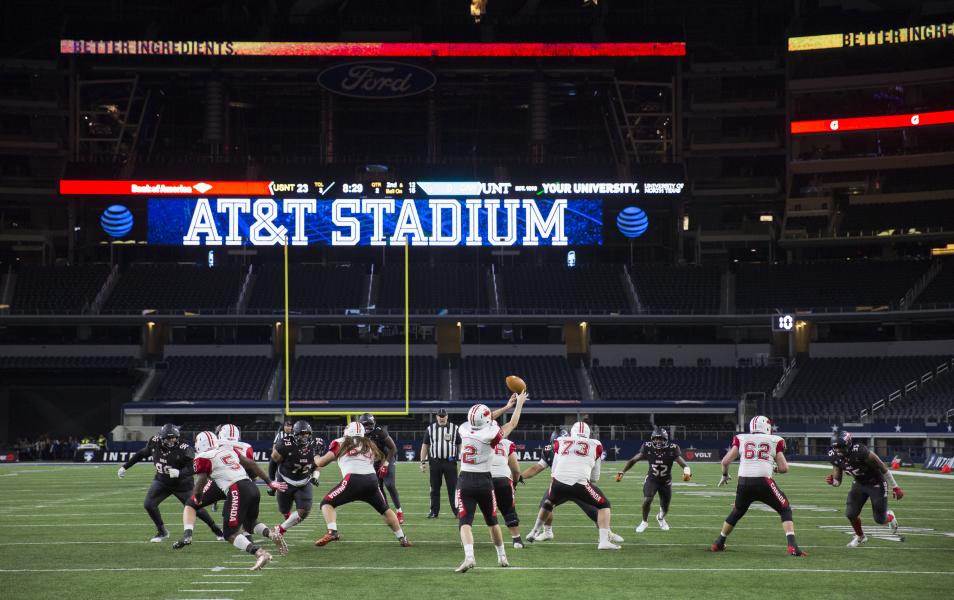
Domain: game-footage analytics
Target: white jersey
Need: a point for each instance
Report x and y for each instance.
(221, 465)
(757, 453)
(353, 462)
(240, 448)
(477, 447)
(500, 462)
(579, 460)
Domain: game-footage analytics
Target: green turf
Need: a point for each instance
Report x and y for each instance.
(79, 532)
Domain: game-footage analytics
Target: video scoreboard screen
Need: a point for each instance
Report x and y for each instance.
(341, 212)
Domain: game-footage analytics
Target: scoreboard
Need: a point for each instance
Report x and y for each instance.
(370, 212)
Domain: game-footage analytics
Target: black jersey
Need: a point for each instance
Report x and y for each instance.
(853, 460)
(164, 458)
(660, 460)
(380, 436)
(298, 462)
(546, 456)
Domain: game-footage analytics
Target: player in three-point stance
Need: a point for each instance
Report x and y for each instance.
(872, 479)
(356, 455)
(387, 468)
(660, 453)
(546, 461)
(576, 467)
(479, 436)
(756, 451)
(173, 463)
(228, 470)
(295, 456)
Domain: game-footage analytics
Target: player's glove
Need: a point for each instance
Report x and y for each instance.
(383, 471)
(521, 480)
(270, 492)
(173, 473)
(830, 480)
(122, 472)
(897, 492)
(619, 476)
(686, 473)
(724, 480)
(278, 486)
(315, 476)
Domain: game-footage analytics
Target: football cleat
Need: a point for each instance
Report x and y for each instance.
(857, 540)
(717, 547)
(181, 543)
(502, 561)
(547, 534)
(465, 566)
(517, 545)
(262, 558)
(160, 535)
(327, 538)
(616, 539)
(608, 546)
(532, 536)
(642, 527)
(431, 515)
(220, 538)
(400, 517)
(796, 551)
(276, 536)
(405, 543)
(662, 522)
(893, 523)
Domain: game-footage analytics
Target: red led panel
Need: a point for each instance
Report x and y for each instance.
(862, 123)
(110, 187)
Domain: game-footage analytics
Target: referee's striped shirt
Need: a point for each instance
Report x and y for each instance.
(441, 441)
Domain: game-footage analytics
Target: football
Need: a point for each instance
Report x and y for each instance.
(515, 384)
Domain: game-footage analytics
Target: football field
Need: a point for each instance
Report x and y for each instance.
(78, 532)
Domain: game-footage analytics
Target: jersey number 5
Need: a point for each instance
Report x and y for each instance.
(468, 454)
(750, 453)
(231, 462)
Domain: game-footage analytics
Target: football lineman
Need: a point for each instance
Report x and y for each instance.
(660, 453)
(295, 456)
(285, 431)
(387, 468)
(173, 464)
(756, 452)
(872, 479)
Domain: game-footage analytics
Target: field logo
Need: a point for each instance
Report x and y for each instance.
(377, 80)
(632, 222)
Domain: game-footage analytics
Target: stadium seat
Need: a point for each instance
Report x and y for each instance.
(455, 288)
(363, 378)
(549, 378)
(682, 383)
(663, 289)
(560, 290)
(60, 290)
(312, 288)
(215, 378)
(178, 288)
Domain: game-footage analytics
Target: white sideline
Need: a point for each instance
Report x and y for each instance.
(908, 473)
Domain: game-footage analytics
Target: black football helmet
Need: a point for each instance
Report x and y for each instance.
(659, 438)
(367, 419)
(169, 434)
(302, 433)
(558, 433)
(840, 440)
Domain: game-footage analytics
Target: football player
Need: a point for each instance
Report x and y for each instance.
(872, 479)
(228, 436)
(575, 469)
(387, 468)
(228, 471)
(475, 486)
(286, 430)
(757, 452)
(356, 455)
(505, 471)
(660, 453)
(173, 464)
(295, 456)
(546, 461)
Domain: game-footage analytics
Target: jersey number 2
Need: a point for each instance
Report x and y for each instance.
(750, 453)
(468, 454)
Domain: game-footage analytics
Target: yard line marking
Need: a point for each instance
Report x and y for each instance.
(910, 473)
(640, 544)
(216, 582)
(232, 575)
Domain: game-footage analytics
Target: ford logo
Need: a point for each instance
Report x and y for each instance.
(381, 80)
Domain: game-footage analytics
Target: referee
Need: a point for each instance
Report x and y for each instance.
(440, 450)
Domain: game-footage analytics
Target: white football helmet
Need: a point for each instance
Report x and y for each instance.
(760, 424)
(354, 429)
(580, 430)
(479, 416)
(230, 432)
(205, 441)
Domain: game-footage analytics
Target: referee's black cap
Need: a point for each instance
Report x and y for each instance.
(441, 412)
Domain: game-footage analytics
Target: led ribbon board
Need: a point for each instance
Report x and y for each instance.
(376, 213)
(369, 49)
(877, 37)
(942, 117)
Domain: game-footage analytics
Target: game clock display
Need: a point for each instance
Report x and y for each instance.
(783, 322)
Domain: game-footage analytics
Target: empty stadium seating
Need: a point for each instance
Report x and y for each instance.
(682, 383)
(61, 290)
(455, 288)
(311, 288)
(941, 289)
(841, 387)
(320, 378)
(671, 289)
(175, 287)
(898, 216)
(561, 290)
(22, 364)
(846, 285)
(549, 378)
(225, 378)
